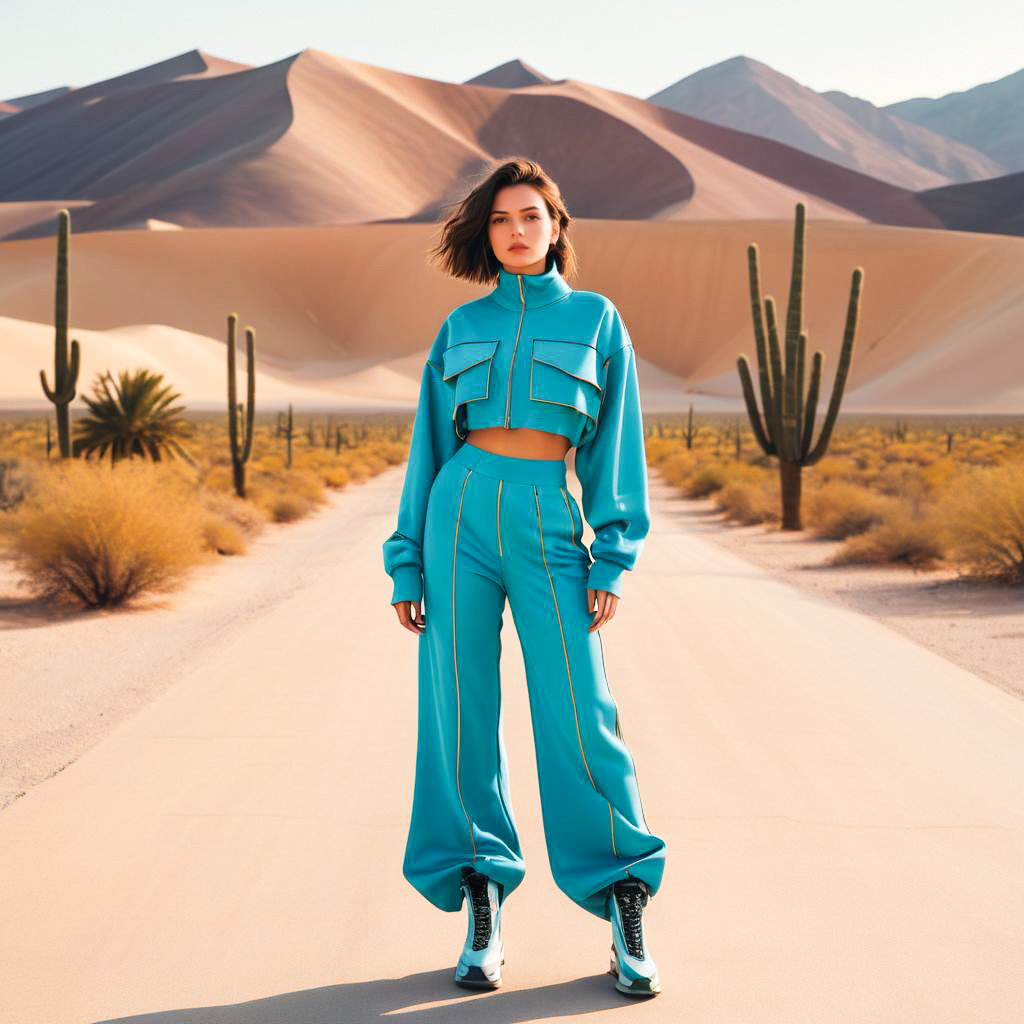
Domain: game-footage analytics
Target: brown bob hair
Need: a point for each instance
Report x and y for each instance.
(465, 251)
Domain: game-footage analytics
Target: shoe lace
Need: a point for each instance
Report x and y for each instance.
(481, 909)
(631, 897)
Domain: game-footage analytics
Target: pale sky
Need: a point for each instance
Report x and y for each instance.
(878, 50)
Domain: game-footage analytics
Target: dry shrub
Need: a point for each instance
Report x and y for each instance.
(749, 501)
(657, 449)
(921, 453)
(286, 496)
(706, 479)
(240, 514)
(984, 516)
(99, 535)
(904, 481)
(940, 474)
(840, 509)
(17, 478)
(902, 537)
(229, 522)
(676, 468)
(223, 537)
(394, 453)
(286, 508)
(335, 476)
(358, 468)
(836, 467)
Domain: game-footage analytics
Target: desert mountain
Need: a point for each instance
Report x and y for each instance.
(745, 94)
(989, 117)
(513, 74)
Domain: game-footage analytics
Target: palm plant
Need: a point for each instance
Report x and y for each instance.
(135, 418)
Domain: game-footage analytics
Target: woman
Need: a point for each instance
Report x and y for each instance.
(512, 382)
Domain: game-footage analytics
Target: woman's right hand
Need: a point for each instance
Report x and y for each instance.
(409, 615)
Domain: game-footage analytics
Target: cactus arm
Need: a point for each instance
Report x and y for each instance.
(754, 276)
(250, 405)
(232, 388)
(752, 412)
(774, 423)
(812, 404)
(845, 356)
(801, 399)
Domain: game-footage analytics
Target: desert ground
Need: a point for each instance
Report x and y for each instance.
(841, 804)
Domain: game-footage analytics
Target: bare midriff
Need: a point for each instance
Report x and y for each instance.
(520, 442)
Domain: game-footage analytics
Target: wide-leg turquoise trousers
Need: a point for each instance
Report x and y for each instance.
(499, 526)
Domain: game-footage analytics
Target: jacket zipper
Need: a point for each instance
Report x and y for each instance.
(508, 397)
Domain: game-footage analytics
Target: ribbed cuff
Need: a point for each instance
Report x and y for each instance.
(606, 575)
(408, 580)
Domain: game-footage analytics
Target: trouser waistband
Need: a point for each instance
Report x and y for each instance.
(509, 467)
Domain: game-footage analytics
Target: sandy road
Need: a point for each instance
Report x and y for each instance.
(844, 814)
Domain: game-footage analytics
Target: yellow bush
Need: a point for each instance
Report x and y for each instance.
(841, 509)
(335, 476)
(357, 467)
(901, 537)
(749, 498)
(677, 467)
(98, 535)
(835, 467)
(222, 536)
(239, 514)
(706, 479)
(285, 508)
(984, 515)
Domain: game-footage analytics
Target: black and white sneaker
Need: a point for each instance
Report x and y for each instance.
(636, 974)
(479, 965)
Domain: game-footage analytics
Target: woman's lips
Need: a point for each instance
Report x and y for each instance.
(514, 247)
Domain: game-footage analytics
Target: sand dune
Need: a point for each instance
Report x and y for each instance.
(350, 310)
(319, 139)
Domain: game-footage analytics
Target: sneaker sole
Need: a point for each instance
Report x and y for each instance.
(641, 987)
(476, 979)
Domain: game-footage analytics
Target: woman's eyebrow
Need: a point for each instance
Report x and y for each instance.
(523, 210)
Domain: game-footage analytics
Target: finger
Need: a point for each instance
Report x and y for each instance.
(402, 608)
(601, 596)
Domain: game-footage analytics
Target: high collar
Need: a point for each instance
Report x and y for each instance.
(537, 289)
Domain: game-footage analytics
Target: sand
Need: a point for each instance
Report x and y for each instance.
(977, 625)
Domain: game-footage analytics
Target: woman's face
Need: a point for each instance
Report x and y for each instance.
(521, 229)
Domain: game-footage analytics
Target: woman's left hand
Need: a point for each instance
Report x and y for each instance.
(606, 602)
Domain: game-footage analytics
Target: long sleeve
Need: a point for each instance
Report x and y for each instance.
(433, 442)
(612, 469)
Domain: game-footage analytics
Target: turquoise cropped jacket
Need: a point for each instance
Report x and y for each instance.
(533, 353)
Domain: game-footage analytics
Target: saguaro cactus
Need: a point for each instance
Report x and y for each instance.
(787, 423)
(65, 373)
(289, 433)
(240, 449)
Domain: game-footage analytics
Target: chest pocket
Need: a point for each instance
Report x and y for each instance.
(566, 373)
(469, 362)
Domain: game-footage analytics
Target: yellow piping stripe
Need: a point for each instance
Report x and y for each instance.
(508, 398)
(498, 516)
(618, 730)
(568, 672)
(455, 655)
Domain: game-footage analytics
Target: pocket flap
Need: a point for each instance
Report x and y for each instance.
(464, 354)
(576, 358)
